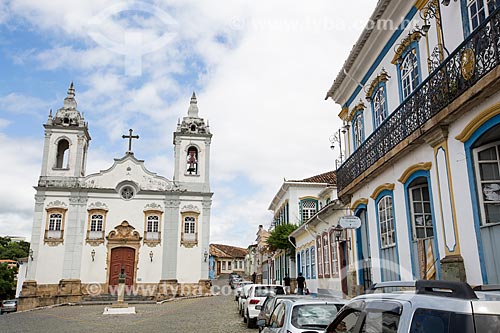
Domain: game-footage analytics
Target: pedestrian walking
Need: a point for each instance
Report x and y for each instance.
(254, 277)
(286, 283)
(301, 284)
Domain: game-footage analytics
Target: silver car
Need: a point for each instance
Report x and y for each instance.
(9, 306)
(302, 315)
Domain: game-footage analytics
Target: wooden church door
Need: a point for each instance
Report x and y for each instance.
(122, 257)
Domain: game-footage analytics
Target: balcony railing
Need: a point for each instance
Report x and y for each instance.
(471, 61)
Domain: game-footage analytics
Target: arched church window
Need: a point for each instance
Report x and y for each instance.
(192, 161)
(62, 154)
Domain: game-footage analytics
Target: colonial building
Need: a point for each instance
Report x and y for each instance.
(323, 248)
(421, 105)
(295, 203)
(87, 228)
(228, 259)
(263, 258)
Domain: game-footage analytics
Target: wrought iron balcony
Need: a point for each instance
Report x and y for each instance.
(472, 60)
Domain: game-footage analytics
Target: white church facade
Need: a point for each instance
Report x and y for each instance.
(88, 228)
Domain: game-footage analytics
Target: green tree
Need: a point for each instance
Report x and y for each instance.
(13, 250)
(7, 283)
(278, 239)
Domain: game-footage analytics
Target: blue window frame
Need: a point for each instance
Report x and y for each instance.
(475, 12)
(387, 236)
(313, 263)
(308, 260)
(358, 129)
(420, 204)
(303, 263)
(379, 105)
(409, 70)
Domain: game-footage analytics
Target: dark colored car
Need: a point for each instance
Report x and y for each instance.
(9, 306)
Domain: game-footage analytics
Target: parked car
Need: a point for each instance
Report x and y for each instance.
(421, 306)
(234, 281)
(243, 298)
(301, 315)
(9, 306)
(256, 296)
(239, 288)
(268, 306)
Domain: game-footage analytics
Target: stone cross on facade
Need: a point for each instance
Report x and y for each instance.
(130, 137)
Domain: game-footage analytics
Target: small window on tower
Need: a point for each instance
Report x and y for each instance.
(193, 128)
(192, 161)
(62, 154)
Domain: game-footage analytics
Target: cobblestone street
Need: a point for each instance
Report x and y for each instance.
(207, 314)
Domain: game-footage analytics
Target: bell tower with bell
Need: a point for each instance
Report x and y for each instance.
(192, 150)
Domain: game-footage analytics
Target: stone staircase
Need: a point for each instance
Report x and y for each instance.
(104, 299)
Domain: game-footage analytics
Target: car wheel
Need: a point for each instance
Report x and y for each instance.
(250, 323)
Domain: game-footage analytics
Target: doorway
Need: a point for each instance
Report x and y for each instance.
(122, 257)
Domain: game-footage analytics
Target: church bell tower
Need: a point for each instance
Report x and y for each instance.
(66, 141)
(192, 149)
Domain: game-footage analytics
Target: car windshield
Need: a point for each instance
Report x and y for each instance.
(313, 315)
(263, 291)
(9, 302)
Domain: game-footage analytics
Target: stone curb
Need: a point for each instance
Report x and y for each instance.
(174, 299)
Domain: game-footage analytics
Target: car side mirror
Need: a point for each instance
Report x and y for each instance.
(261, 323)
(258, 307)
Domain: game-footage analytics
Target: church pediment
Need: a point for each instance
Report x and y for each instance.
(128, 169)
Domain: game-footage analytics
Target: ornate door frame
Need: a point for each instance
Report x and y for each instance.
(123, 235)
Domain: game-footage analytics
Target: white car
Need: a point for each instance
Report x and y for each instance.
(239, 288)
(256, 296)
(243, 298)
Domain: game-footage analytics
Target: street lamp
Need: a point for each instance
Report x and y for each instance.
(337, 138)
(205, 255)
(31, 254)
(151, 254)
(337, 231)
(92, 254)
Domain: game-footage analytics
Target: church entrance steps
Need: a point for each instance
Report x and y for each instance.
(109, 299)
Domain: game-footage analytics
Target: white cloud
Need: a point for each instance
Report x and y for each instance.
(22, 104)
(20, 169)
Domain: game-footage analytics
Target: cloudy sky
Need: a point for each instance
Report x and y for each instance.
(260, 69)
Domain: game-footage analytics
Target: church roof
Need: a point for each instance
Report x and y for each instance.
(329, 177)
(227, 251)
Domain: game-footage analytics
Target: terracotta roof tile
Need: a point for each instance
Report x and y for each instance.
(329, 177)
(227, 251)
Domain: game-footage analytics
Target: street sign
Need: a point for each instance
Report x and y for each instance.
(350, 222)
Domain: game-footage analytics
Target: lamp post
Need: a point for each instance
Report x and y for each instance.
(337, 138)
(92, 254)
(31, 254)
(151, 254)
(205, 255)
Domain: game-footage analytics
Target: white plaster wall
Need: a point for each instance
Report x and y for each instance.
(452, 25)
(190, 259)
(21, 277)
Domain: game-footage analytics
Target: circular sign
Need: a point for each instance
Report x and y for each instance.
(350, 222)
